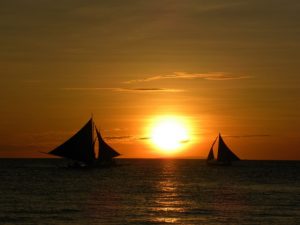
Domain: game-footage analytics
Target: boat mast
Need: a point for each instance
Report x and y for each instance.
(94, 137)
(92, 128)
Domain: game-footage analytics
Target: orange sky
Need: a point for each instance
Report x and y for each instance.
(224, 67)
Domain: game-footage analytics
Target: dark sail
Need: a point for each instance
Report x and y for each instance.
(211, 152)
(211, 155)
(105, 153)
(224, 153)
(80, 147)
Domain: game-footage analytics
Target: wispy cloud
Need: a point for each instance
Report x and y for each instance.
(184, 75)
(248, 136)
(118, 137)
(125, 138)
(144, 138)
(151, 89)
(185, 141)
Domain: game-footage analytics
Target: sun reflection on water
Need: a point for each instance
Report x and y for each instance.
(167, 201)
(166, 220)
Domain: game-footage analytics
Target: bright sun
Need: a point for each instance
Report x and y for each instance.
(169, 134)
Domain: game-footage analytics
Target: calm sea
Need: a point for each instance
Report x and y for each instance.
(140, 191)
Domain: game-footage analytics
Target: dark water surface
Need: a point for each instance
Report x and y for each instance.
(39, 191)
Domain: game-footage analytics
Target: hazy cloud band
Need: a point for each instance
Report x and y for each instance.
(183, 75)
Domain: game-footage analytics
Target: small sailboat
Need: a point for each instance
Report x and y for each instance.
(80, 148)
(225, 155)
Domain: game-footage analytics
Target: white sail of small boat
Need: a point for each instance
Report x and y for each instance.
(81, 147)
(225, 155)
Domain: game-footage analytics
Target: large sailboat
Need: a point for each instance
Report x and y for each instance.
(80, 148)
(225, 155)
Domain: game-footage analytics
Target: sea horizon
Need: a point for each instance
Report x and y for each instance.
(163, 158)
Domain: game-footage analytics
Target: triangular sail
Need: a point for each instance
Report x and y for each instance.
(211, 155)
(105, 153)
(80, 147)
(211, 152)
(224, 152)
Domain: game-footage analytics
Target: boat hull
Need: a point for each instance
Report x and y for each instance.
(94, 165)
(218, 163)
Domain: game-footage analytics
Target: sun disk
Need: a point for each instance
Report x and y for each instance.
(169, 134)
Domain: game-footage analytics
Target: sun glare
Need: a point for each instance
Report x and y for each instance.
(169, 134)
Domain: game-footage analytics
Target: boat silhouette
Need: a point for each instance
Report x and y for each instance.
(80, 148)
(225, 156)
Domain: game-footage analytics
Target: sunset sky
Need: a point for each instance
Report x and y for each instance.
(219, 66)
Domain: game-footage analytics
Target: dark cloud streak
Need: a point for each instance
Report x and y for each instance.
(140, 90)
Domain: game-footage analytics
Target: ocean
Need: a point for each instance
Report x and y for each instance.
(149, 191)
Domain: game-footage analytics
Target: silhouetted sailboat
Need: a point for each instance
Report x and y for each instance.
(225, 155)
(81, 148)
